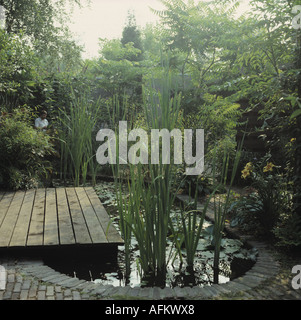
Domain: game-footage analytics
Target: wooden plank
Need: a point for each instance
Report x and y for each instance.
(96, 231)
(4, 205)
(36, 228)
(19, 236)
(10, 219)
(112, 234)
(81, 231)
(51, 233)
(66, 234)
(63, 216)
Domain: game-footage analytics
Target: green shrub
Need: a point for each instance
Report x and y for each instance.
(23, 151)
(269, 199)
(287, 231)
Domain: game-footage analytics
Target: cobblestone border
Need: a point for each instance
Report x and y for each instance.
(264, 268)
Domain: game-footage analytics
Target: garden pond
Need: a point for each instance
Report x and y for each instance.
(110, 269)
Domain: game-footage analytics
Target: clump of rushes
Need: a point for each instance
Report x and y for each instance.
(117, 112)
(220, 206)
(192, 220)
(76, 130)
(191, 227)
(146, 212)
(151, 198)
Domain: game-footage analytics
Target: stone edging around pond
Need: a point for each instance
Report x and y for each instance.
(264, 268)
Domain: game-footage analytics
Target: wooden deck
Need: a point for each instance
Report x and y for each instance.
(54, 217)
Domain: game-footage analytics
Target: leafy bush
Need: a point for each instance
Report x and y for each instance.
(268, 200)
(244, 211)
(23, 151)
(18, 78)
(202, 184)
(287, 231)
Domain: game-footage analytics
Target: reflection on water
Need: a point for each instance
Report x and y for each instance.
(109, 269)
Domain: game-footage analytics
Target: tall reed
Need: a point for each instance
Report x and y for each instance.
(118, 112)
(146, 212)
(220, 206)
(76, 128)
(192, 220)
(192, 224)
(151, 226)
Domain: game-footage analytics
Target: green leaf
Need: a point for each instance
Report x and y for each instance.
(295, 114)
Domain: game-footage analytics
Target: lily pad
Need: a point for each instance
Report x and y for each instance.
(203, 244)
(207, 254)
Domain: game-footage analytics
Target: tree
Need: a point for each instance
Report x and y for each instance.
(131, 33)
(116, 76)
(37, 18)
(200, 32)
(43, 24)
(18, 76)
(115, 73)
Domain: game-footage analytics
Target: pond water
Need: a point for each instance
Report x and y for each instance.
(109, 268)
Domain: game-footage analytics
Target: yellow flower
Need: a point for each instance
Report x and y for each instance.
(268, 167)
(248, 165)
(293, 139)
(245, 173)
(247, 170)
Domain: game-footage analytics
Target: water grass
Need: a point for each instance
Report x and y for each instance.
(76, 128)
(118, 112)
(191, 227)
(192, 220)
(146, 211)
(162, 111)
(220, 206)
